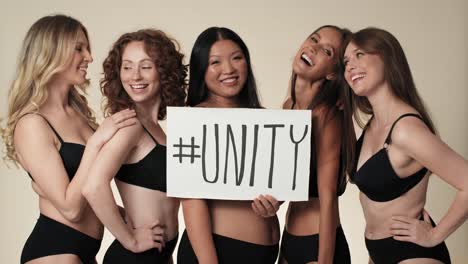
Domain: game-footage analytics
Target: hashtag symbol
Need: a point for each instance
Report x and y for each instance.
(192, 147)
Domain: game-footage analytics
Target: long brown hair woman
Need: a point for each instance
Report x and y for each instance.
(395, 154)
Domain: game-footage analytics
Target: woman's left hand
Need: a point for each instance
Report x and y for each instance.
(265, 205)
(413, 230)
(112, 124)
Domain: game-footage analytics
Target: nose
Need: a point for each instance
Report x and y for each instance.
(88, 56)
(314, 47)
(228, 67)
(350, 65)
(136, 75)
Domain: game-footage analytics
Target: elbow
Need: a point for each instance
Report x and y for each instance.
(328, 202)
(73, 215)
(91, 190)
(328, 196)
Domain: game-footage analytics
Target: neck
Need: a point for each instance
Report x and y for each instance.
(148, 111)
(220, 101)
(384, 105)
(305, 91)
(58, 95)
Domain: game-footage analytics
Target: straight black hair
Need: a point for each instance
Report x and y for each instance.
(198, 92)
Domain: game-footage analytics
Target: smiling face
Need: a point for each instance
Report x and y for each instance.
(227, 69)
(138, 73)
(364, 71)
(316, 57)
(75, 73)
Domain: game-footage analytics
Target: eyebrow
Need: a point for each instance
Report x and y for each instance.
(143, 60)
(320, 37)
(354, 51)
(232, 53)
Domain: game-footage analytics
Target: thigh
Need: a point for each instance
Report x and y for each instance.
(57, 259)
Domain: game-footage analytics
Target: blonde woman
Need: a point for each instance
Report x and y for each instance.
(48, 111)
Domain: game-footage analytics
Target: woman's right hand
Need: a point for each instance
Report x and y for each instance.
(148, 237)
(112, 124)
(265, 206)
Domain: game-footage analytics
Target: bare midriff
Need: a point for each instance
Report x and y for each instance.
(145, 206)
(236, 219)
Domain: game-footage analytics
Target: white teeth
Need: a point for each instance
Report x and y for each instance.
(305, 57)
(229, 80)
(357, 76)
(138, 86)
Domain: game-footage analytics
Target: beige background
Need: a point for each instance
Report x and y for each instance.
(433, 34)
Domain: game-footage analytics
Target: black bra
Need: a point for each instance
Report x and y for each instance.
(377, 179)
(313, 185)
(149, 172)
(71, 153)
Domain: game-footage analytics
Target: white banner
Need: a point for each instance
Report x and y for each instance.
(238, 153)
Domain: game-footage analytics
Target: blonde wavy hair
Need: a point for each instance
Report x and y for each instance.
(47, 50)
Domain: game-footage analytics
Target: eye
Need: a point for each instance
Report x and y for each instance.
(214, 62)
(147, 67)
(327, 51)
(314, 39)
(345, 62)
(238, 57)
(359, 54)
(126, 68)
(79, 48)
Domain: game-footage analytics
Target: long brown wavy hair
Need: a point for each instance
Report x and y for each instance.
(397, 73)
(169, 63)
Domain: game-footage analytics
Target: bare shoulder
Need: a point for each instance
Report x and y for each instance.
(287, 104)
(129, 133)
(32, 126)
(408, 129)
(327, 117)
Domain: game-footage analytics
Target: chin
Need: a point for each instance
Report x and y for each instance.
(360, 92)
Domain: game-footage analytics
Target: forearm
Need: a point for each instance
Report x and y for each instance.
(102, 201)
(75, 203)
(455, 217)
(327, 228)
(198, 225)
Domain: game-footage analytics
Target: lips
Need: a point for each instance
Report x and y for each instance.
(139, 86)
(83, 68)
(230, 81)
(357, 77)
(306, 59)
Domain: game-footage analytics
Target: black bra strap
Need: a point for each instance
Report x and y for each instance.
(51, 127)
(150, 135)
(388, 140)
